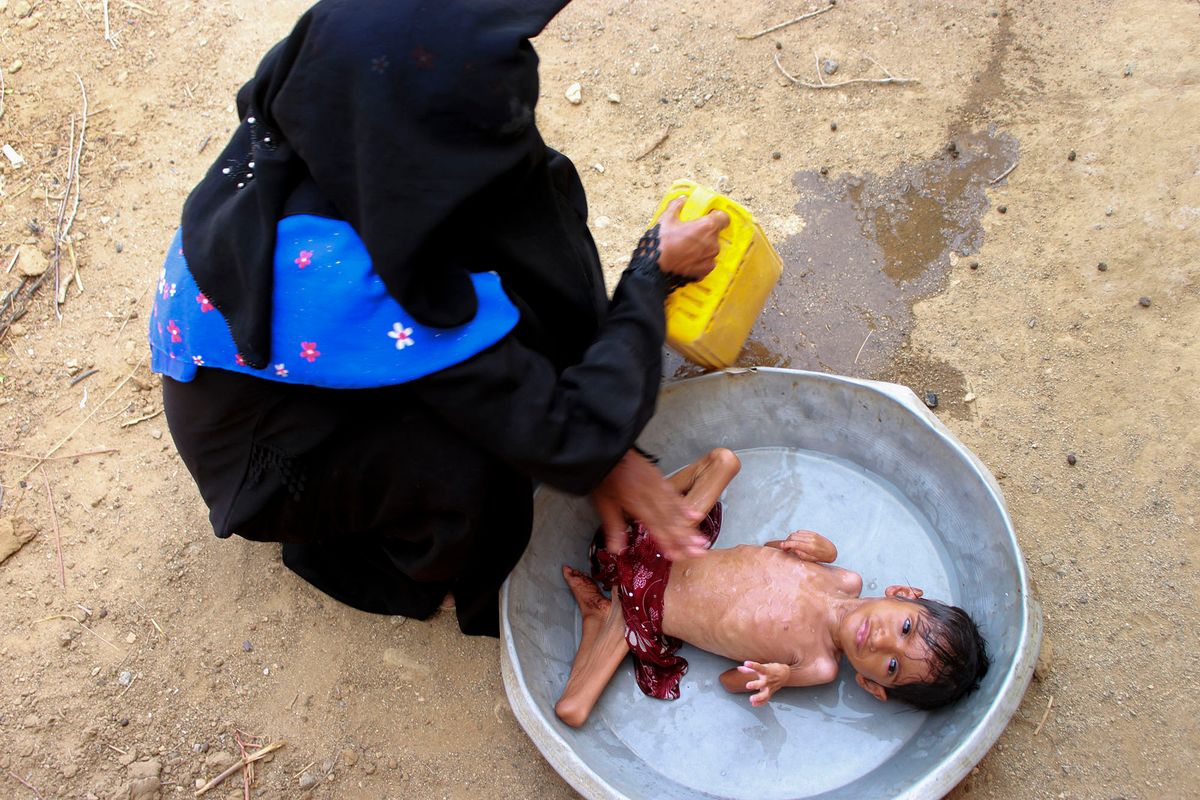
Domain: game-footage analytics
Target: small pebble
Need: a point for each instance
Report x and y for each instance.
(969, 397)
(1108, 212)
(102, 613)
(125, 678)
(123, 721)
(829, 66)
(779, 45)
(1071, 459)
(1032, 322)
(931, 399)
(1102, 267)
(307, 781)
(614, 98)
(246, 646)
(120, 247)
(1128, 71)
(952, 149)
(833, 126)
(1071, 156)
(776, 155)
(824, 170)
(574, 94)
(974, 265)
(1144, 301)
(1003, 209)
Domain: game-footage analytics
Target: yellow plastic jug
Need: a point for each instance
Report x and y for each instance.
(708, 320)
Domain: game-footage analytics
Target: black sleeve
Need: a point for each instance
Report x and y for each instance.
(566, 430)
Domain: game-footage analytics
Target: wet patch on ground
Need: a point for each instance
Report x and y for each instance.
(872, 246)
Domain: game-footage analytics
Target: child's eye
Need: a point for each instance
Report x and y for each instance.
(892, 665)
(907, 626)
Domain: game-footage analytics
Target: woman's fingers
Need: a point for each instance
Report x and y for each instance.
(689, 248)
(635, 489)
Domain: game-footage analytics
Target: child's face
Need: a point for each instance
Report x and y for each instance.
(882, 643)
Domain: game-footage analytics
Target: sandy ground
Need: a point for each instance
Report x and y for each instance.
(137, 674)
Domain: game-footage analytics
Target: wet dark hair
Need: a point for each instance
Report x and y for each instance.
(958, 656)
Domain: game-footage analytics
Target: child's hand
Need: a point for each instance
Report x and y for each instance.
(810, 546)
(767, 679)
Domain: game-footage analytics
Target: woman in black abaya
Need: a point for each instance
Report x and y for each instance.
(384, 316)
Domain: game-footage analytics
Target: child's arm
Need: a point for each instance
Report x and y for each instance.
(766, 679)
(808, 545)
(702, 481)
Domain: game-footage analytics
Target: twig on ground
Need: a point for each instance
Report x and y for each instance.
(133, 310)
(659, 138)
(304, 769)
(823, 85)
(861, 346)
(79, 622)
(143, 9)
(62, 228)
(62, 570)
(15, 454)
(130, 423)
(248, 768)
(1045, 714)
(255, 756)
(13, 262)
(1002, 175)
(782, 25)
(75, 430)
(25, 783)
(82, 376)
(108, 37)
(157, 627)
(60, 219)
(111, 417)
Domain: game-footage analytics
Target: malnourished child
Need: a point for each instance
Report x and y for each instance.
(781, 609)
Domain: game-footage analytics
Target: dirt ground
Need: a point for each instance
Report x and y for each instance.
(137, 674)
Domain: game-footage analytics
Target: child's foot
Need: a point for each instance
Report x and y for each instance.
(592, 604)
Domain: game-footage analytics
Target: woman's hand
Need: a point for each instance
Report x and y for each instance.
(689, 248)
(767, 679)
(635, 489)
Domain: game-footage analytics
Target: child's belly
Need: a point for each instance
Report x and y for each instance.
(743, 603)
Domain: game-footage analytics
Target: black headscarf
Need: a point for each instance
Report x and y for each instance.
(413, 120)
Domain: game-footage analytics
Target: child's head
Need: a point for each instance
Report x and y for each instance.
(923, 652)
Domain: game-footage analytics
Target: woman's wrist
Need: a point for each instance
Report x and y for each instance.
(645, 262)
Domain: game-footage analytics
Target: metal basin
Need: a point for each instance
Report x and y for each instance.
(868, 466)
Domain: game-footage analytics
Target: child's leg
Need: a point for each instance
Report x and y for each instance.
(702, 482)
(601, 649)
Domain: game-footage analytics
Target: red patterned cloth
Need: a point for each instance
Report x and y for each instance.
(640, 573)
